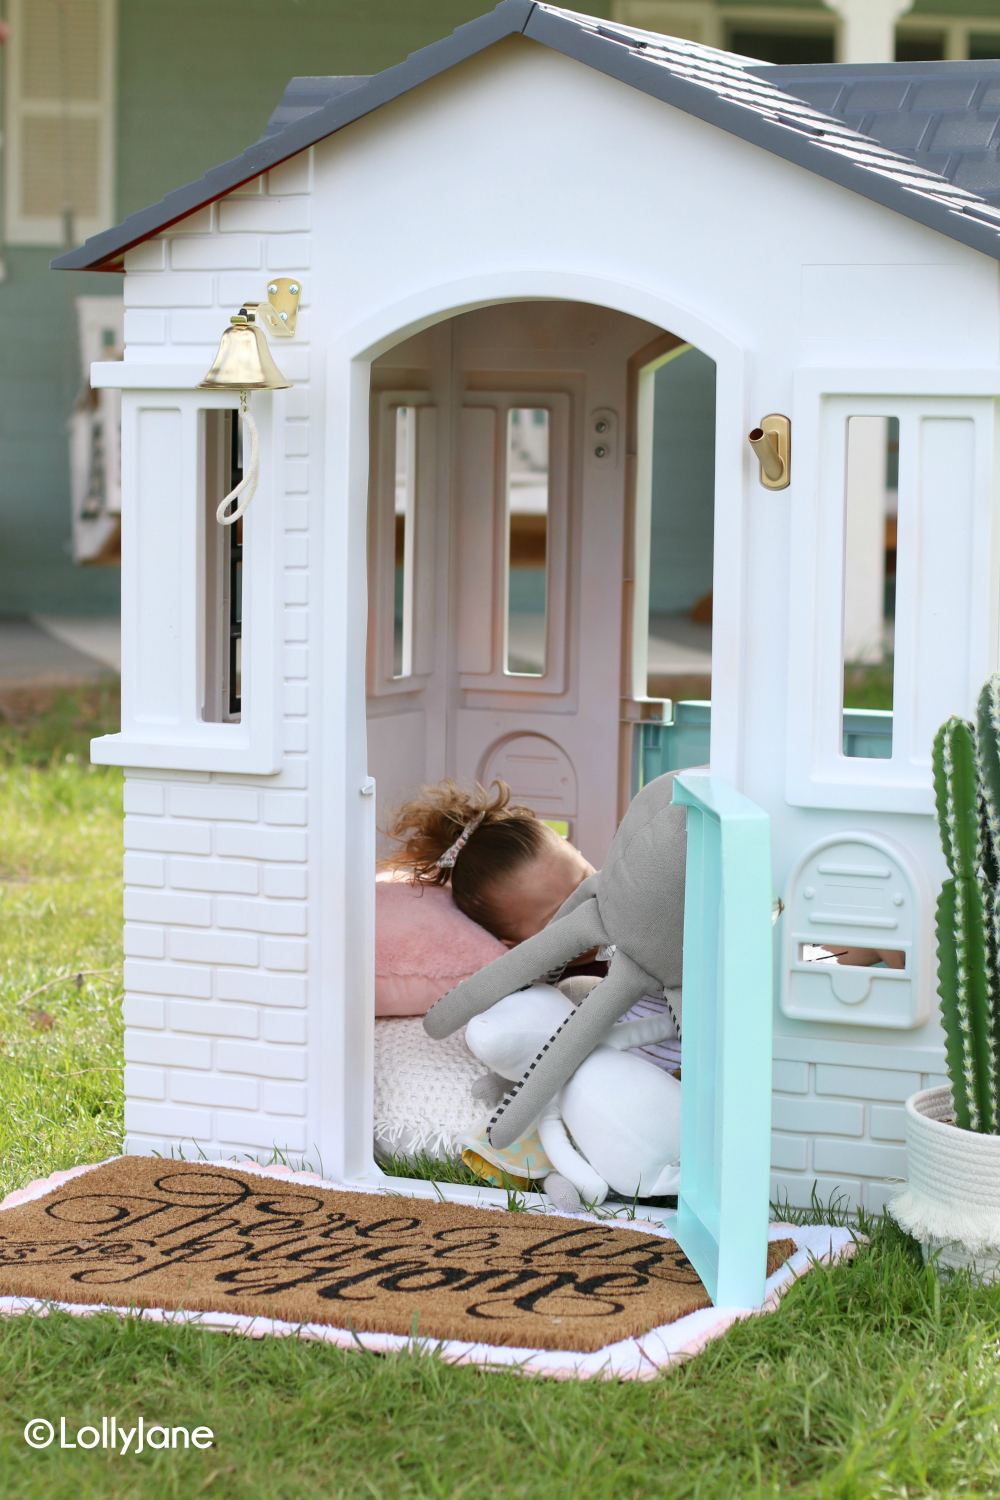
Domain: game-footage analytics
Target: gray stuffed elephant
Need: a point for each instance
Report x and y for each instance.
(636, 903)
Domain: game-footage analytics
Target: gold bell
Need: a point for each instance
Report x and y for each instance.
(244, 361)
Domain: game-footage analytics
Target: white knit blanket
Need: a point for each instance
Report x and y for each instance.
(423, 1090)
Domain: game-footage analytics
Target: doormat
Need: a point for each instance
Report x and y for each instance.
(254, 1246)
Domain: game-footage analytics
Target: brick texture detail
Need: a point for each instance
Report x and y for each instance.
(210, 1089)
(260, 843)
(818, 1116)
(215, 948)
(166, 906)
(168, 1051)
(214, 1020)
(262, 1062)
(866, 1083)
(261, 989)
(170, 1119)
(862, 1158)
(284, 1099)
(266, 1133)
(261, 916)
(140, 1010)
(214, 875)
(789, 1151)
(166, 837)
(217, 802)
(168, 979)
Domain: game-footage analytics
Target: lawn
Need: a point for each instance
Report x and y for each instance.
(873, 1378)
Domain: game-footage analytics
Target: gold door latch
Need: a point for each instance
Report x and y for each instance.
(772, 443)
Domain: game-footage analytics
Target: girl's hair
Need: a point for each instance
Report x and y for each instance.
(506, 839)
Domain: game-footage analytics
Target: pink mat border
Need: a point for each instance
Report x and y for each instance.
(630, 1359)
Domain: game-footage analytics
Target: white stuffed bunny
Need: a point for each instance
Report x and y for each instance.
(622, 1112)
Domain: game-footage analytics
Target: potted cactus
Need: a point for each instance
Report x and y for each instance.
(951, 1201)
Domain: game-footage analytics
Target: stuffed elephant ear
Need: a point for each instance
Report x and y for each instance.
(640, 897)
(583, 892)
(562, 940)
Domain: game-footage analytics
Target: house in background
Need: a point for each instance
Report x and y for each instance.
(809, 31)
(109, 104)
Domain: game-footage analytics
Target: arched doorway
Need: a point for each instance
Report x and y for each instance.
(503, 550)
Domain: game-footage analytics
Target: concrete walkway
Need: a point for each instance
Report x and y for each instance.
(57, 651)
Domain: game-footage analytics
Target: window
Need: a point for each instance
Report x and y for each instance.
(783, 47)
(404, 509)
(402, 554)
(60, 120)
(891, 579)
(95, 438)
(514, 502)
(676, 434)
(201, 673)
(527, 517)
(870, 520)
(223, 571)
(674, 539)
(984, 45)
(920, 46)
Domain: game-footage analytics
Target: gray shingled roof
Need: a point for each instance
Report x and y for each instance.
(942, 115)
(727, 91)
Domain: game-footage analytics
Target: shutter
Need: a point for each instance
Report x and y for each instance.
(60, 120)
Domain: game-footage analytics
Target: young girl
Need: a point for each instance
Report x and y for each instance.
(508, 870)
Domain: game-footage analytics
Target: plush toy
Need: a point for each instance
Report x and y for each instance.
(636, 904)
(622, 1112)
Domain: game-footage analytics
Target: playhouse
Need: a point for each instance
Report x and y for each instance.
(550, 273)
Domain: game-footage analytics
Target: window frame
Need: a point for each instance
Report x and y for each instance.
(165, 590)
(818, 774)
(483, 543)
(381, 681)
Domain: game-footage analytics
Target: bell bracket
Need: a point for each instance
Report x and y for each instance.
(278, 314)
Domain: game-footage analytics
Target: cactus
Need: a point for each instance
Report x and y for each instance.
(988, 773)
(988, 776)
(967, 791)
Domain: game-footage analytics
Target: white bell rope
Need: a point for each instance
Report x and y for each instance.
(247, 487)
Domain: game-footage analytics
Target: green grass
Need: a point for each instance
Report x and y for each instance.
(428, 1169)
(873, 1379)
(60, 917)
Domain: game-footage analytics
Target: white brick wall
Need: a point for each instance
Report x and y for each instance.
(838, 1124)
(219, 1013)
(217, 923)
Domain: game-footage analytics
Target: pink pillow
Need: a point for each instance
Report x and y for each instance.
(423, 946)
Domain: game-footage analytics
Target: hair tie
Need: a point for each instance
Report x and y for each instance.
(450, 855)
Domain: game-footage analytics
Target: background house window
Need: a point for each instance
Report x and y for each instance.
(60, 120)
(782, 47)
(920, 46)
(790, 32)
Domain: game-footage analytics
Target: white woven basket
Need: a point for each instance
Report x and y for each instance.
(951, 1201)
